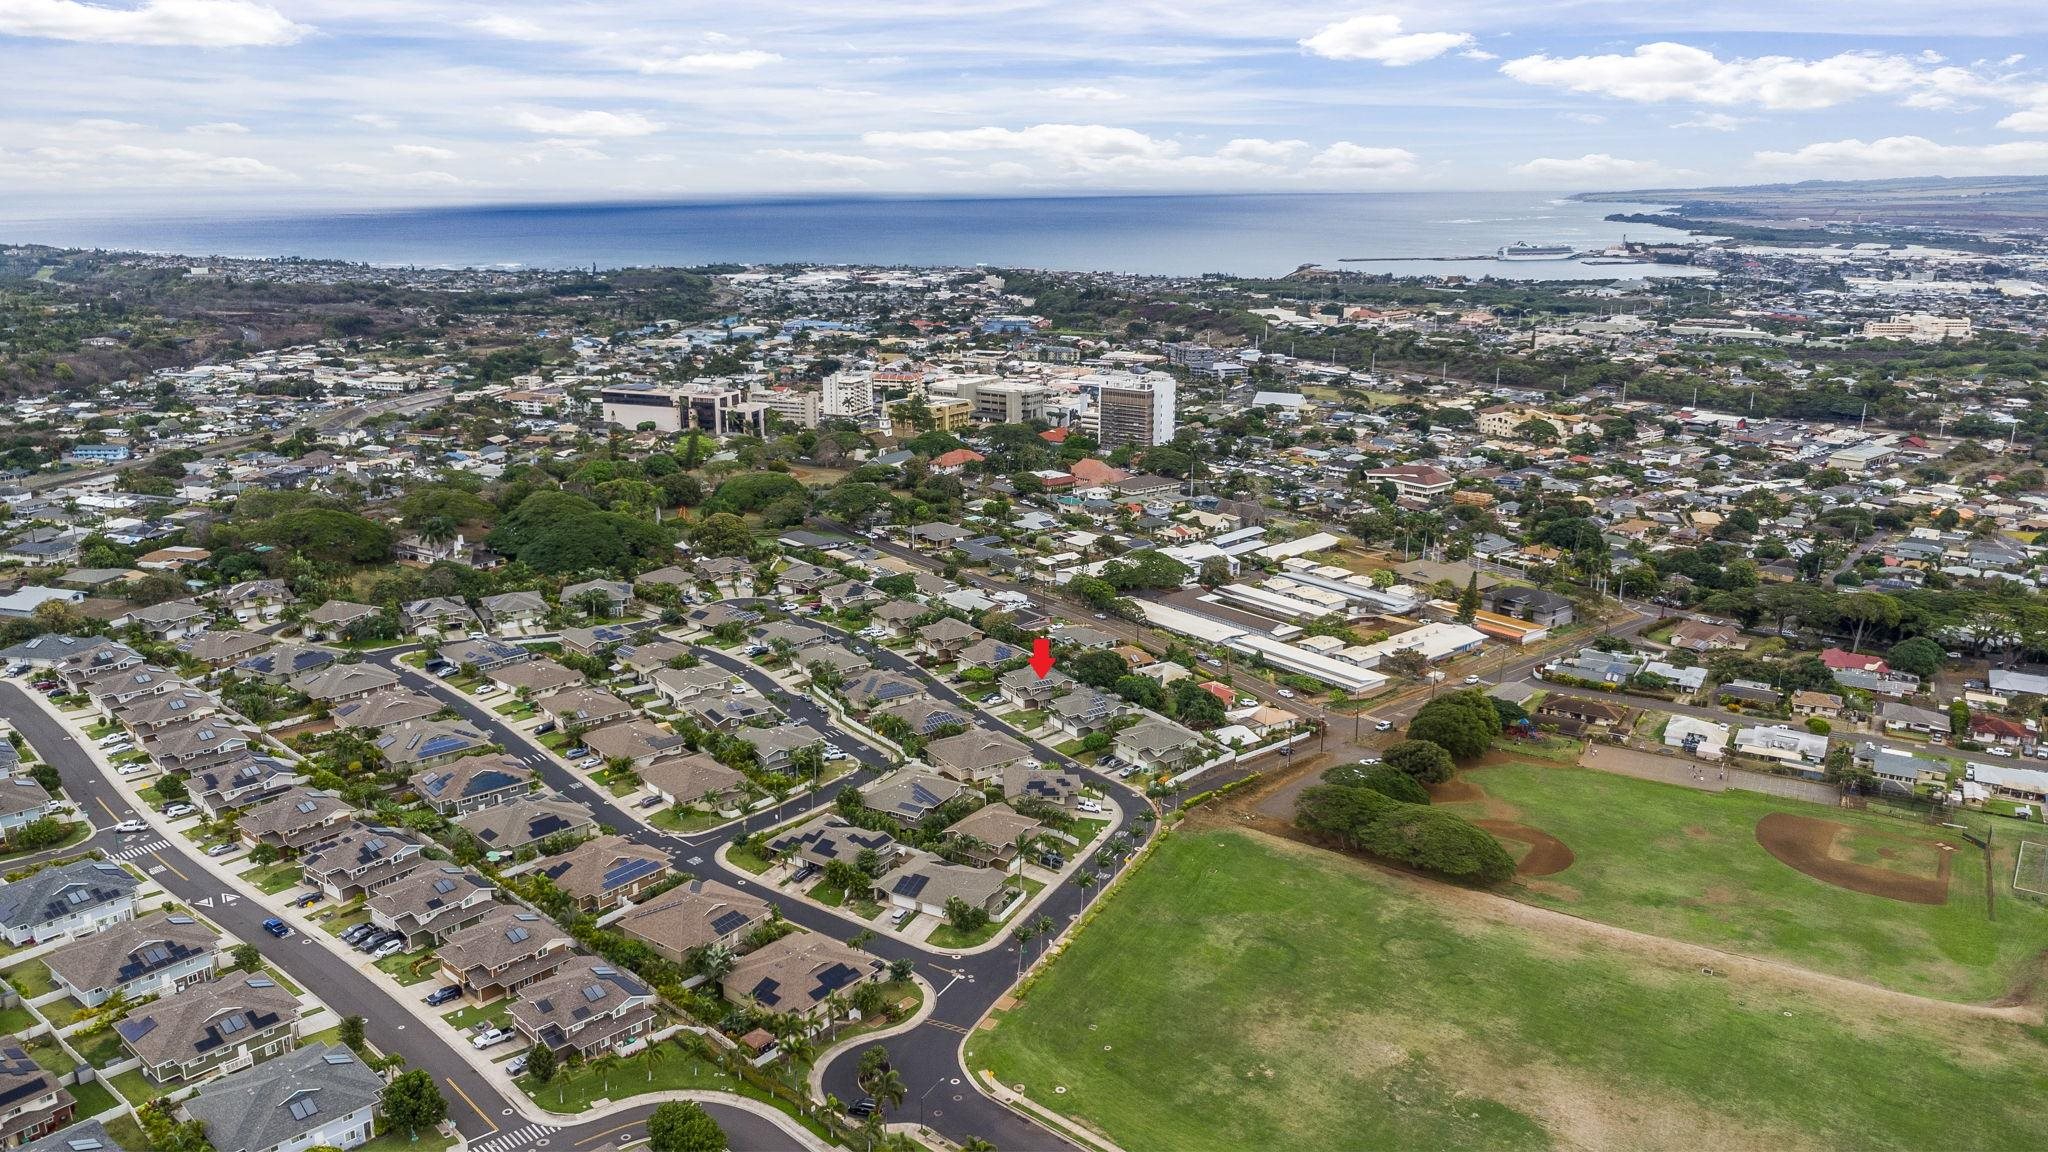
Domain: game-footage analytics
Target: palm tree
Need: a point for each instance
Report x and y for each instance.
(835, 1007)
(1042, 928)
(1023, 936)
(650, 1056)
(887, 1087)
(715, 962)
(797, 1047)
(603, 1066)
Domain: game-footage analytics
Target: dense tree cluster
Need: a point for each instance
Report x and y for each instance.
(1420, 837)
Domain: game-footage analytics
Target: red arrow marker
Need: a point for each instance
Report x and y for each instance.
(1041, 657)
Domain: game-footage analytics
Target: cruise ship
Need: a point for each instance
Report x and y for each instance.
(1521, 251)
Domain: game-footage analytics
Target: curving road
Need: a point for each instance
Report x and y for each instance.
(928, 1056)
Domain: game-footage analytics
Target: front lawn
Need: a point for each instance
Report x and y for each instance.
(274, 878)
(1342, 1007)
(675, 818)
(831, 895)
(516, 710)
(400, 1140)
(498, 1013)
(675, 1069)
(1026, 720)
(1677, 862)
(410, 967)
(743, 856)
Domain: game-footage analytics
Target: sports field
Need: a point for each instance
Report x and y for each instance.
(1245, 992)
(1686, 864)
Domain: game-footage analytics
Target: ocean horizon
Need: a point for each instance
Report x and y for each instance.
(1247, 234)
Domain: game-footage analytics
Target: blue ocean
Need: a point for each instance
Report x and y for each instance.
(1155, 235)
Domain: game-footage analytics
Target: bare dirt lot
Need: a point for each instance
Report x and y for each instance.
(1811, 846)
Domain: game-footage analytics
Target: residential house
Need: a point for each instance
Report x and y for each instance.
(83, 1136)
(338, 682)
(799, 974)
(220, 649)
(514, 613)
(975, 755)
(508, 949)
(730, 713)
(257, 601)
(616, 593)
(1695, 636)
(694, 915)
(990, 834)
(281, 663)
(439, 614)
(639, 741)
(1998, 731)
(32, 1102)
(1897, 717)
(1747, 692)
(473, 782)
(873, 688)
(170, 620)
(909, 796)
(1025, 688)
(643, 660)
(66, 900)
(776, 747)
(238, 782)
(943, 640)
(295, 821)
(483, 653)
(360, 860)
(428, 904)
(589, 1007)
(604, 872)
(679, 686)
(23, 801)
(927, 715)
(331, 621)
(695, 778)
(828, 837)
(712, 617)
(1838, 660)
(534, 679)
(154, 955)
(1702, 738)
(516, 823)
(584, 707)
(1824, 704)
(1159, 744)
(926, 883)
(385, 708)
(229, 1023)
(1027, 783)
(420, 743)
(320, 1096)
(1084, 711)
(899, 617)
(1536, 605)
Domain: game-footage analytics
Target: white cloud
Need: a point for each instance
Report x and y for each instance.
(82, 162)
(1593, 167)
(511, 27)
(2033, 119)
(839, 160)
(1259, 151)
(219, 128)
(1377, 37)
(1713, 122)
(568, 122)
(707, 63)
(1356, 159)
(1910, 156)
(1664, 72)
(423, 151)
(375, 120)
(1584, 117)
(185, 23)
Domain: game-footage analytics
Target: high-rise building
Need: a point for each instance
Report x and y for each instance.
(848, 396)
(998, 401)
(1133, 409)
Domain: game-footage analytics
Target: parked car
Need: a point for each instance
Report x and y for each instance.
(277, 928)
(1383, 726)
(1472, 679)
(834, 754)
(1086, 805)
(516, 1066)
(576, 753)
(132, 768)
(860, 1108)
(1287, 693)
(44, 685)
(1051, 859)
(898, 916)
(588, 762)
(128, 826)
(174, 811)
(222, 849)
(355, 932)
(116, 738)
(17, 669)
(309, 899)
(443, 994)
(388, 948)
(1369, 760)
(489, 1037)
(651, 802)
(544, 727)
(116, 749)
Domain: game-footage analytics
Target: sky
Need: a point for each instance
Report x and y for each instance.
(203, 105)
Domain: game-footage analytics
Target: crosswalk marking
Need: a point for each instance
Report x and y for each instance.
(140, 850)
(507, 1141)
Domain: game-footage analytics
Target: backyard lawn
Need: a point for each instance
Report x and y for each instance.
(101, 1050)
(32, 979)
(1672, 861)
(94, 1098)
(46, 1052)
(16, 1019)
(1336, 1001)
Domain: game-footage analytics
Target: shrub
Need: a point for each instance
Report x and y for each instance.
(1420, 837)
(1425, 760)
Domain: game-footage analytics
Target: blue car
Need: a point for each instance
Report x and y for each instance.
(277, 928)
(443, 994)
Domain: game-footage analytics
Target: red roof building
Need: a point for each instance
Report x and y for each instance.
(1838, 660)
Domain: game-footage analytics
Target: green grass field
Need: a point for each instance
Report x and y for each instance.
(1675, 862)
(1246, 993)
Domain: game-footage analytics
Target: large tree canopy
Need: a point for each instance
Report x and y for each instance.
(1462, 723)
(328, 535)
(554, 531)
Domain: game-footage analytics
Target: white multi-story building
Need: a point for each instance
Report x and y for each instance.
(1920, 328)
(1132, 408)
(848, 396)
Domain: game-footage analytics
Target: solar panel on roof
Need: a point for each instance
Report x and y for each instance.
(629, 871)
(730, 922)
(910, 885)
(230, 1025)
(339, 1056)
(306, 805)
(444, 885)
(261, 982)
(516, 934)
(303, 1107)
(84, 1144)
(593, 992)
